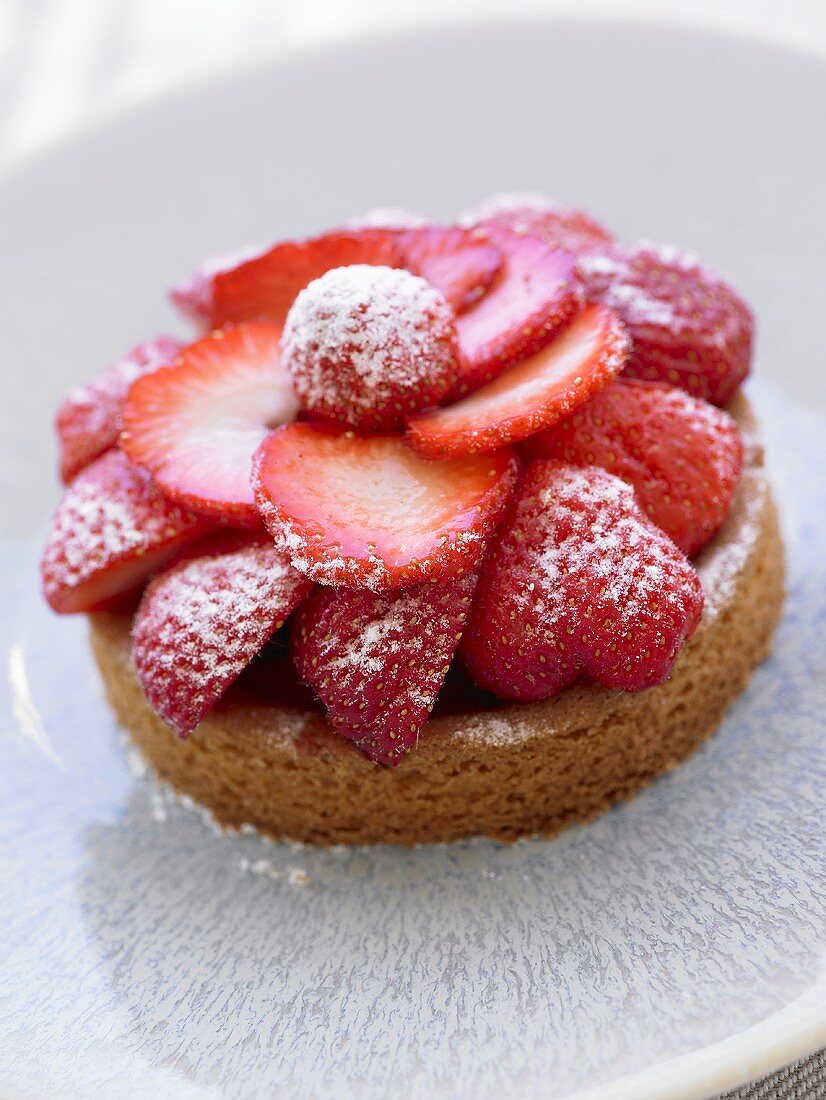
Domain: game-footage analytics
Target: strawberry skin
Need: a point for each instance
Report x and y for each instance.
(535, 393)
(682, 455)
(368, 512)
(578, 584)
(367, 345)
(196, 425)
(88, 420)
(535, 295)
(377, 662)
(688, 326)
(203, 620)
(551, 221)
(458, 262)
(267, 285)
(112, 529)
(193, 298)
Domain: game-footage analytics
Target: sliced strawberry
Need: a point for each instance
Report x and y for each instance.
(552, 221)
(578, 584)
(687, 324)
(88, 420)
(112, 529)
(196, 425)
(193, 298)
(535, 393)
(367, 512)
(377, 661)
(267, 285)
(536, 294)
(366, 346)
(202, 621)
(682, 455)
(458, 262)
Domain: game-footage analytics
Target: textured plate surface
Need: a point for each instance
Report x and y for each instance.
(673, 948)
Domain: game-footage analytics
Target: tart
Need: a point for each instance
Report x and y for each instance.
(433, 531)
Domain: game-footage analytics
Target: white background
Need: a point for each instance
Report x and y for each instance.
(66, 63)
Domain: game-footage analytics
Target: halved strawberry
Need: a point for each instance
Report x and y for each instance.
(203, 620)
(378, 661)
(111, 530)
(682, 455)
(267, 285)
(368, 512)
(561, 226)
(688, 326)
(193, 297)
(578, 584)
(88, 420)
(458, 262)
(535, 393)
(196, 425)
(536, 294)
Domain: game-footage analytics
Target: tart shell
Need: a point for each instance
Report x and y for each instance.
(518, 770)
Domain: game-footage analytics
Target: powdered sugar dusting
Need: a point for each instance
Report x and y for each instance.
(110, 515)
(579, 584)
(369, 344)
(88, 420)
(202, 622)
(378, 661)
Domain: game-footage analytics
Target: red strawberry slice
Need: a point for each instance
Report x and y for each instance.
(459, 263)
(367, 512)
(266, 286)
(193, 297)
(688, 326)
(378, 661)
(196, 425)
(112, 529)
(88, 421)
(536, 294)
(202, 621)
(578, 584)
(552, 221)
(535, 393)
(682, 455)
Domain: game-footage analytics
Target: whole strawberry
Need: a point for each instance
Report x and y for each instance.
(688, 326)
(682, 455)
(578, 584)
(368, 346)
(377, 661)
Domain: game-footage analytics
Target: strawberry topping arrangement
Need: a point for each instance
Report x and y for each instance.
(404, 445)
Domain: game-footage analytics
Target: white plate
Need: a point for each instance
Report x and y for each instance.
(671, 949)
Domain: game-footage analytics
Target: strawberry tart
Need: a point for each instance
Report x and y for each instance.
(430, 532)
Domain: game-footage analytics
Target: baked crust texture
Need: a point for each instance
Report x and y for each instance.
(506, 773)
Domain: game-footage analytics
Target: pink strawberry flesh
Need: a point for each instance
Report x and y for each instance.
(688, 326)
(579, 584)
(196, 425)
(202, 621)
(378, 661)
(579, 361)
(458, 262)
(368, 512)
(682, 455)
(535, 295)
(111, 531)
(88, 420)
